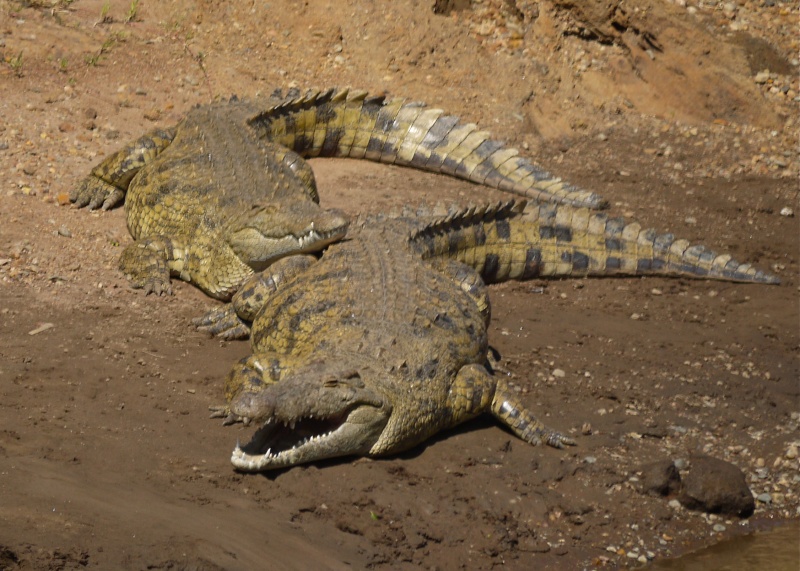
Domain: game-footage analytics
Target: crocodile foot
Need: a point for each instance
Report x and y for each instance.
(224, 412)
(223, 322)
(96, 193)
(144, 263)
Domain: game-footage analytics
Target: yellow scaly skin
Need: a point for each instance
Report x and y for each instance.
(227, 191)
(210, 201)
(383, 341)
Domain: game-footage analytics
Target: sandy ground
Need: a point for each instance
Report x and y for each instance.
(107, 457)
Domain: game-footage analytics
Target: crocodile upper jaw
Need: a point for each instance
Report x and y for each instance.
(281, 228)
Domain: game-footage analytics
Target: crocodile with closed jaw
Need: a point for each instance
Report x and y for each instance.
(227, 191)
(383, 341)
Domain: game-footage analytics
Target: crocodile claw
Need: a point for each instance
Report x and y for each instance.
(94, 193)
(157, 286)
(223, 322)
(224, 412)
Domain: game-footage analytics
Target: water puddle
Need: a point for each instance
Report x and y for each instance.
(777, 550)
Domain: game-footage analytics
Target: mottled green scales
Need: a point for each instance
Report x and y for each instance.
(227, 191)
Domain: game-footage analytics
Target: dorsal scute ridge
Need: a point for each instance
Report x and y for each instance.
(468, 216)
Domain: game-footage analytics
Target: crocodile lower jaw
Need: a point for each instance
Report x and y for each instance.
(282, 444)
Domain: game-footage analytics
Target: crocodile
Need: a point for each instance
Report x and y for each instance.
(227, 191)
(383, 341)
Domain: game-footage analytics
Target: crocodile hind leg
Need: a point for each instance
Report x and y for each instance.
(233, 320)
(105, 187)
(469, 281)
(475, 391)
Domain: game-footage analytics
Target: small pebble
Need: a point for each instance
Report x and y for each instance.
(764, 498)
(718, 527)
(791, 453)
(559, 373)
(761, 77)
(674, 504)
(786, 211)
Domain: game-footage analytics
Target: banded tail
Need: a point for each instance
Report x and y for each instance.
(345, 123)
(510, 241)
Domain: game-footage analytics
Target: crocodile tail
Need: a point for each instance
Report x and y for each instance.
(558, 240)
(349, 123)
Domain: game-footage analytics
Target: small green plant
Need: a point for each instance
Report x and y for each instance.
(105, 17)
(16, 64)
(132, 12)
(110, 41)
(63, 65)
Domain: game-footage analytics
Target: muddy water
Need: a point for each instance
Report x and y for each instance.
(777, 550)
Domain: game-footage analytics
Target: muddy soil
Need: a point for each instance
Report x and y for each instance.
(684, 115)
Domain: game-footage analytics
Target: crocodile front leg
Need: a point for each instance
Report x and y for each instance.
(475, 391)
(146, 264)
(233, 320)
(250, 375)
(108, 182)
(508, 408)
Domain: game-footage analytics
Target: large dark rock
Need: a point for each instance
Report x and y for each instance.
(659, 478)
(716, 486)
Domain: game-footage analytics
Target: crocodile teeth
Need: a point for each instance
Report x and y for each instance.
(309, 238)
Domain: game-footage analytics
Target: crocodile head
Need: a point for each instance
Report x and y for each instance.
(282, 228)
(322, 409)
